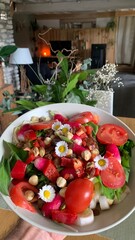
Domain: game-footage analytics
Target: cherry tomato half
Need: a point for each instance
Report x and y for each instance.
(112, 134)
(17, 195)
(78, 195)
(113, 176)
(82, 117)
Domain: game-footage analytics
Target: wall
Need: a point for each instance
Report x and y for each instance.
(23, 34)
(82, 39)
(52, 23)
(7, 38)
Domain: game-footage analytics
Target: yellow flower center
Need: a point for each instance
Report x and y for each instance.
(47, 194)
(102, 162)
(64, 130)
(62, 149)
(57, 127)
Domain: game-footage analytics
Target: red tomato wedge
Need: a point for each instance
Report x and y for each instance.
(78, 195)
(42, 125)
(113, 176)
(112, 134)
(19, 169)
(83, 117)
(17, 195)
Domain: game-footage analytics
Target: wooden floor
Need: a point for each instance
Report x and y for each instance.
(124, 97)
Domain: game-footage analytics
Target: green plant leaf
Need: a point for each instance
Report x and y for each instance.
(40, 89)
(71, 85)
(7, 50)
(73, 98)
(57, 92)
(41, 103)
(63, 63)
(27, 104)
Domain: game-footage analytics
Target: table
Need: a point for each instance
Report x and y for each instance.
(9, 220)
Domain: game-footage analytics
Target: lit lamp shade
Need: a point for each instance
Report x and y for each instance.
(21, 56)
(45, 52)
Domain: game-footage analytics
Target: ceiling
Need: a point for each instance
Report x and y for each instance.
(70, 6)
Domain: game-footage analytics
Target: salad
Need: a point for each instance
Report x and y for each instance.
(68, 169)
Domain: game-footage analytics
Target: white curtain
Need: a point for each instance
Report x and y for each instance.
(125, 41)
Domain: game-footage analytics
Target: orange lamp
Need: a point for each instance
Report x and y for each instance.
(45, 52)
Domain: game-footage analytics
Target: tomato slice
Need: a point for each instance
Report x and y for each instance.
(112, 134)
(17, 195)
(42, 125)
(113, 176)
(78, 195)
(83, 117)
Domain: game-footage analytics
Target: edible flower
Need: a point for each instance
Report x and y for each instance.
(47, 193)
(61, 149)
(56, 125)
(65, 129)
(100, 162)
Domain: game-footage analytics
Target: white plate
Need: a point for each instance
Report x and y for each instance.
(107, 219)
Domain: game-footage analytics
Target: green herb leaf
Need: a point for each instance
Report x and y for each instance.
(126, 151)
(19, 153)
(5, 175)
(108, 192)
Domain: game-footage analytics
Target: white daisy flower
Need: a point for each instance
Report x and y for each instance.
(100, 162)
(61, 149)
(47, 193)
(65, 129)
(56, 125)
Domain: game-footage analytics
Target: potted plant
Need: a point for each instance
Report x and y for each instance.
(62, 87)
(100, 86)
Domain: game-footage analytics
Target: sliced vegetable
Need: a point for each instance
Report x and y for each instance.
(42, 125)
(50, 171)
(60, 118)
(64, 216)
(113, 176)
(82, 118)
(85, 218)
(18, 197)
(40, 163)
(113, 149)
(49, 206)
(112, 134)
(19, 170)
